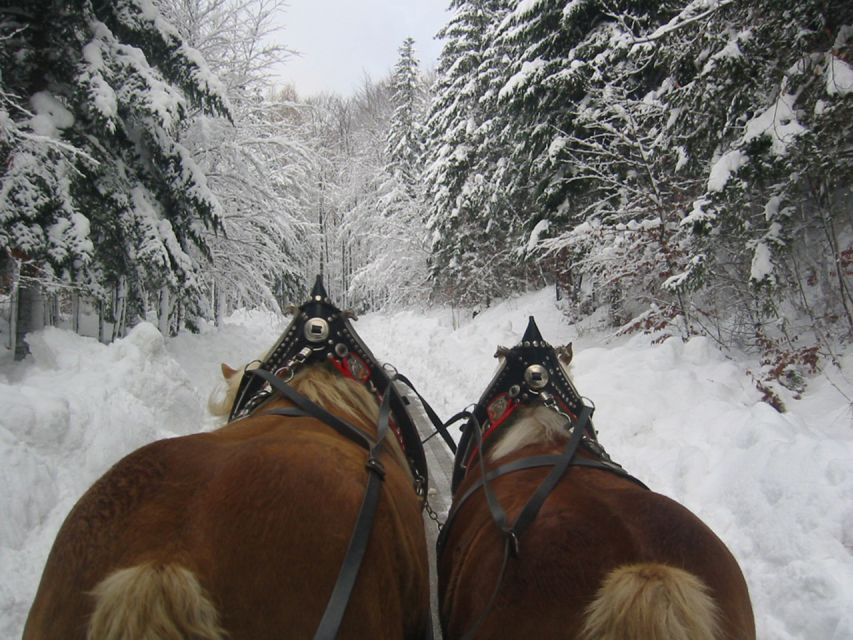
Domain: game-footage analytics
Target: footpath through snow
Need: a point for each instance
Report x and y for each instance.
(778, 489)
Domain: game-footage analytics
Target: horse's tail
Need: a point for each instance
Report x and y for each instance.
(153, 601)
(651, 602)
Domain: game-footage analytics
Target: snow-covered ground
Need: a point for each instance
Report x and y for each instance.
(680, 416)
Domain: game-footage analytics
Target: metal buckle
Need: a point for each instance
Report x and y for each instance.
(373, 464)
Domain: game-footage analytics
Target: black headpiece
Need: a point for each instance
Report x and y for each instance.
(530, 372)
(321, 332)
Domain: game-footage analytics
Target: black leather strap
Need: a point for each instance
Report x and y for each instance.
(314, 410)
(339, 599)
(531, 509)
(337, 605)
(440, 427)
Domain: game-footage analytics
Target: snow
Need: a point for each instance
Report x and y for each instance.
(723, 168)
(49, 115)
(729, 52)
(681, 416)
(762, 264)
(778, 122)
(839, 77)
(522, 77)
(541, 227)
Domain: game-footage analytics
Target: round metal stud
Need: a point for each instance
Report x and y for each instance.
(341, 349)
(536, 376)
(316, 330)
(514, 390)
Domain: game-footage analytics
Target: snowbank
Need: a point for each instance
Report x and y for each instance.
(681, 416)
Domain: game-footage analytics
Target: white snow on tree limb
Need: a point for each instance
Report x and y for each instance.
(541, 227)
(528, 69)
(839, 77)
(49, 114)
(778, 122)
(762, 270)
(723, 168)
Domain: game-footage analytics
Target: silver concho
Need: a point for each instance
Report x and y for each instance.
(536, 376)
(316, 330)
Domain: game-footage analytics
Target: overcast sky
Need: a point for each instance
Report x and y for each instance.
(341, 40)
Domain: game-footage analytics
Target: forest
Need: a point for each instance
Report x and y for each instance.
(677, 166)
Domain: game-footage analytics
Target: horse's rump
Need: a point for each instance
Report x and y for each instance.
(252, 521)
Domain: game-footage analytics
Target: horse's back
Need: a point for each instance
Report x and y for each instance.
(260, 522)
(591, 526)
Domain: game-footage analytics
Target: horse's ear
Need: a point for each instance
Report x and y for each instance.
(227, 372)
(565, 354)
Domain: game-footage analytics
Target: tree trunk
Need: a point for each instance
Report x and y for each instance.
(75, 311)
(218, 304)
(29, 315)
(163, 312)
(120, 307)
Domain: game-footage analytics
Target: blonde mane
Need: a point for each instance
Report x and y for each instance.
(321, 384)
(530, 425)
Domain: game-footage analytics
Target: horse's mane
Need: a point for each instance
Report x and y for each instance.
(332, 391)
(530, 425)
(321, 384)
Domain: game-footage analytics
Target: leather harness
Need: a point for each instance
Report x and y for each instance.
(529, 374)
(320, 332)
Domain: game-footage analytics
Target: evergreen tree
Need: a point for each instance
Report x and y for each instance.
(395, 265)
(96, 188)
(471, 260)
(762, 112)
(405, 146)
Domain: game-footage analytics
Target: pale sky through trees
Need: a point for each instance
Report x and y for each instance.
(341, 40)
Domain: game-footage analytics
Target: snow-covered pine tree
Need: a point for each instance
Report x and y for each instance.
(583, 99)
(391, 223)
(405, 148)
(96, 189)
(762, 112)
(472, 259)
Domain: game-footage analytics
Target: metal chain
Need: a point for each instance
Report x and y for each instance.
(432, 514)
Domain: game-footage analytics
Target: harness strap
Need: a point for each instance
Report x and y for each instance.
(314, 410)
(338, 601)
(559, 466)
(440, 427)
(531, 509)
(533, 462)
(337, 605)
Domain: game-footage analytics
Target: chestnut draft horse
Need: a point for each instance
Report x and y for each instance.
(547, 537)
(241, 533)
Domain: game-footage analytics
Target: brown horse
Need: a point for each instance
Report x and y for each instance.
(241, 533)
(603, 557)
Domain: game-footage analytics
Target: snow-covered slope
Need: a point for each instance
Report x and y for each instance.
(680, 416)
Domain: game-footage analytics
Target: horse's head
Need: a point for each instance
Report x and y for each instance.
(531, 399)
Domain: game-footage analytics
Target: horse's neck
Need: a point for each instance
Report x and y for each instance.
(533, 426)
